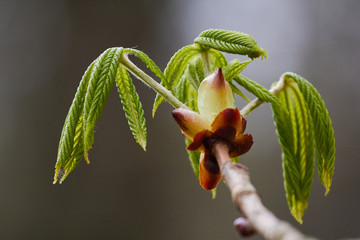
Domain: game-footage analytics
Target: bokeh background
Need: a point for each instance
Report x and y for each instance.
(126, 193)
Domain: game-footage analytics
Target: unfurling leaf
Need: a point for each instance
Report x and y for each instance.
(186, 91)
(132, 106)
(217, 59)
(181, 90)
(178, 63)
(175, 69)
(231, 42)
(295, 132)
(195, 72)
(323, 130)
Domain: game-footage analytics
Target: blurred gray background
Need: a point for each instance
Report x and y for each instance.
(125, 193)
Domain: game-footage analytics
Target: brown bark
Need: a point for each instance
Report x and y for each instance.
(246, 199)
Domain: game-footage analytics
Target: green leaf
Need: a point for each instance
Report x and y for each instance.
(181, 90)
(231, 42)
(178, 63)
(194, 157)
(256, 89)
(237, 91)
(191, 97)
(193, 77)
(156, 70)
(71, 142)
(323, 130)
(175, 69)
(217, 59)
(149, 63)
(234, 68)
(295, 132)
(101, 82)
(186, 90)
(157, 102)
(132, 106)
(195, 72)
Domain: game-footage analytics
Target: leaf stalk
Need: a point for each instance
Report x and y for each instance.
(278, 87)
(142, 76)
(206, 63)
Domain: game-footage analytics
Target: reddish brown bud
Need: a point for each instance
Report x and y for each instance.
(210, 175)
(189, 122)
(217, 120)
(243, 226)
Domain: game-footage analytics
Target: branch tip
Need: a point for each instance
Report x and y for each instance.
(247, 200)
(243, 226)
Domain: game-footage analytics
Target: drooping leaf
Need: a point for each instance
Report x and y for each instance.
(156, 70)
(157, 102)
(175, 69)
(132, 106)
(231, 42)
(323, 130)
(295, 132)
(101, 82)
(256, 89)
(71, 149)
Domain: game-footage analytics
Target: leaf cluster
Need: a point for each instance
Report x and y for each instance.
(77, 135)
(303, 125)
(302, 122)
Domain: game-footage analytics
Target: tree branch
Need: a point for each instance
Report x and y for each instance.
(246, 199)
(149, 81)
